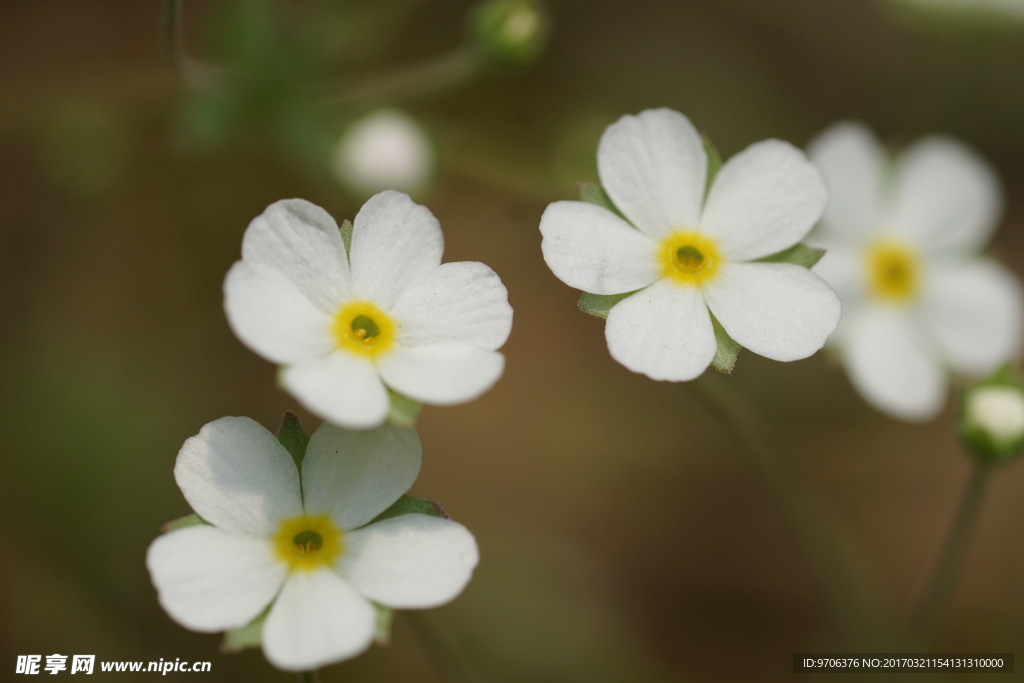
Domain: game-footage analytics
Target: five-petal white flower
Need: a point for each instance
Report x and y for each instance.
(387, 314)
(903, 241)
(305, 545)
(687, 254)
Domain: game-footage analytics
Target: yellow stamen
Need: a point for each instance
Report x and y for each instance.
(893, 271)
(689, 258)
(362, 328)
(309, 541)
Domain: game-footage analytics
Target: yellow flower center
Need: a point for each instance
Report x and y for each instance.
(893, 270)
(309, 541)
(689, 258)
(362, 328)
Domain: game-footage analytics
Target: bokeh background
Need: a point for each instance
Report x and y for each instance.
(622, 537)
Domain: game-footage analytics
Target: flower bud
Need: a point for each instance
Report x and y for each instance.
(386, 149)
(992, 423)
(510, 32)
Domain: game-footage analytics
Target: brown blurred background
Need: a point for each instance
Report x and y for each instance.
(622, 538)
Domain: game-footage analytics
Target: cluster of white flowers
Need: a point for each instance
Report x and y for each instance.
(356, 315)
(364, 315)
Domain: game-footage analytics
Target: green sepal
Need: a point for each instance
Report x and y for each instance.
(382, 627)
(403, 411)
(248, 636)
(409, 505)
(599, 305)
(714, 161)
(346, 237)
(799, 255)
(293, 437)
(183, 523)
(592, 193)
(727, 351)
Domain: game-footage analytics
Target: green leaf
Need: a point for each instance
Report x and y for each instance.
(346, 237)
(592, 193)
(250, 635)
(799, 255)
(714, 160)
(182, 523)
(598, 305)
(403, 411)
(292, 436)
(728, 349)
(383, 626)
(408, 505)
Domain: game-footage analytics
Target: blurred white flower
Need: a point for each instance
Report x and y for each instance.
(388, 314)
(903, 240)
(385, 149)
(305, 543)
(687, 254)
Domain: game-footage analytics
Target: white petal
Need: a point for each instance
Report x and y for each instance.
(342, 388)
(945, 196)
(976, 312)
(891, 365)
(209, 579)
(237, 475)
(654, 168)
(271, 316)
(590, 248)
(317, 620)
(410, 562)
(441, 374)
(461, 302)
(301, 241)
(777, 310)
(853, 163)
(765, 199)
(842, 267)
(663, 331)
(394, 242)
(356, 475)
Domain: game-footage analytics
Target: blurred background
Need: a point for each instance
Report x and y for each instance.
(622, 537)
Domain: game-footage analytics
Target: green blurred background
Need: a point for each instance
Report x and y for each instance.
(622, 538)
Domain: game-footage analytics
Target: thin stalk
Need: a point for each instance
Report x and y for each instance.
(187, 69)
(939, 588)
(309, 676)
(451, 662)
(413, 81)
(836, 565)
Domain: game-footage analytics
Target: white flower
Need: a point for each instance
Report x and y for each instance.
(687, 254)
(903, 241)
(384, 149)
(386, 314)
(304, 544)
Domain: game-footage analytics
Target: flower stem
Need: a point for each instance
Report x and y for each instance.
(187, 69)
(439, 642)
(939, 588)
(312, 676)
(836, 563)
(413, 81)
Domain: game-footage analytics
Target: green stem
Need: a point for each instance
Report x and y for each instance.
(187, 69)
(413, 81)
(442, 646)
(939, 588)
(833, 560)
(312, 676)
